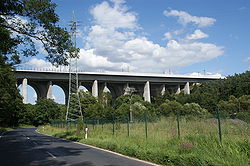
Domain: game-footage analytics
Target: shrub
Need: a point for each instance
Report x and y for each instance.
(169, 107)
(194, 109)
(44, 111)
(245, 116)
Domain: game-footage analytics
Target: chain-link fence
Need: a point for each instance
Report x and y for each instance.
(147, 127)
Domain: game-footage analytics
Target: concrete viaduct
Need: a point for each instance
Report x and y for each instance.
(146, 85)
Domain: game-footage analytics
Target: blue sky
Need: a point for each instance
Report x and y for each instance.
(156, 36)
(230, 30)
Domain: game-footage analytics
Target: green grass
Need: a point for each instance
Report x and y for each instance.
(199, 144)
(26, 126)
(4, 129)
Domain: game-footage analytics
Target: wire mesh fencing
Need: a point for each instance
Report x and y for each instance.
(146, 127)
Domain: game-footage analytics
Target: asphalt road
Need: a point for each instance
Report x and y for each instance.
(24, 147)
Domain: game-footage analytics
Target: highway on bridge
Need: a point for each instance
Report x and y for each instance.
(24, 147)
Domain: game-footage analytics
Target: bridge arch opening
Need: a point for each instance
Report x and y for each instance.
(106, 90)
(31, 94)
(83, 88)
(58, 94)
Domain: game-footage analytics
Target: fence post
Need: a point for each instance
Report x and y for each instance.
(219, 123)
(128, 128)
(93, 123)
(102, 121)
(178, 123)
(86, 123)
(113, 125)
(146, 125)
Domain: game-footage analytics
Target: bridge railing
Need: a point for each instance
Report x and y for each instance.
(65, 69)
(48, 69)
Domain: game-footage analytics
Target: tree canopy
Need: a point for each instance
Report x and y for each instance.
(25, 27)
(10, 99)
(24, 23)
(210, 93)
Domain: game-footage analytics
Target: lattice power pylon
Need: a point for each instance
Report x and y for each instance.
(74, 111)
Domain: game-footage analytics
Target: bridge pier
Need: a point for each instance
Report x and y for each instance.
(95, 89)
(187, 88)
(178, 89)
(49, 91)
(146, 93)
(163, 89)
(24, 90)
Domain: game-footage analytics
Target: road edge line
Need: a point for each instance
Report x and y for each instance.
(105, 150)
(119, 154)
(53, 156)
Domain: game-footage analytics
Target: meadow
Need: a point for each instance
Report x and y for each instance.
(158, 141)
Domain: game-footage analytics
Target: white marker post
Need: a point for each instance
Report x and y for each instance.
(86, 133)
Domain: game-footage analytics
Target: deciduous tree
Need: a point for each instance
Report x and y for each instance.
(23, 23)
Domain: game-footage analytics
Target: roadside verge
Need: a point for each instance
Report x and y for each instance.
(104, 150)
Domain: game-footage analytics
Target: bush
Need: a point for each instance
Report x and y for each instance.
(165, 109)
(138, 109)
(122, 112)
(194, 109)
(80, 126)
(245, 116)
(169, 107)
(45, 110)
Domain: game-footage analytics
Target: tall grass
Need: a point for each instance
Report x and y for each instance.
(199, 143)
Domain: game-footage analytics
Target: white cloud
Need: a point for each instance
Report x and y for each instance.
(185, 18)
(206, 74)
(114, 17)
(44, 65)
(88, 58)
(109, 48)
(171, 35)
(168, 35)
(39, 63)
(198, 34)
(145, 56)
